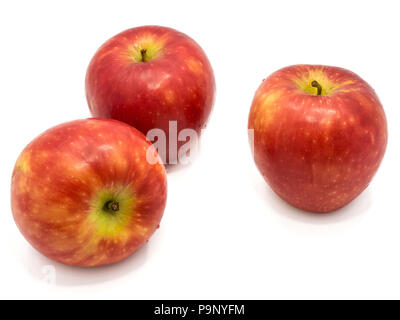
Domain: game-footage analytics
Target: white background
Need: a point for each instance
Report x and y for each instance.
(224, 233)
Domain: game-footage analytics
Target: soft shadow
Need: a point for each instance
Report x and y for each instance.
(38, 265)
(172, 168)
(354, 209)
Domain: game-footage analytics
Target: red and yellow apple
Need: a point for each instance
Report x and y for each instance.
(84, 194)
(319, 135)
(149, 76)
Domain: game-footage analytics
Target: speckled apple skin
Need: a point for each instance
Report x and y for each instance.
(317, 153)
(178, 85)
(60, 174)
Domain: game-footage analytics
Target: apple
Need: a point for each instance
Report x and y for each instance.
(84, 194)
(319, 134)
(149, 76)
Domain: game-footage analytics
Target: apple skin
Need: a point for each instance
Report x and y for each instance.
(317, 152)
(175, 84)
(63, 180)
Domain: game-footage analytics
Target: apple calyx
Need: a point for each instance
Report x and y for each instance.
(111, 206)
(315, 84)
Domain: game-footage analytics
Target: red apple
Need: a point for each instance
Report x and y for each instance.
(319, 135)
(84, 194)
(149, 76)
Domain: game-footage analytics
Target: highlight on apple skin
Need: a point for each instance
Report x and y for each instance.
(84, 194)
(319, 134)
(151, 75)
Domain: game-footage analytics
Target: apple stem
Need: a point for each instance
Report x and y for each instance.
(112, 206)
(315, 84)
(143, 53)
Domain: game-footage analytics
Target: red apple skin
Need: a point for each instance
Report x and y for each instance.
(178, 84)
(62, 179)
(317, 152)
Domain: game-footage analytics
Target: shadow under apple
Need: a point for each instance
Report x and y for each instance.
(38, 266)
(354, 209)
